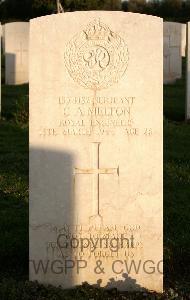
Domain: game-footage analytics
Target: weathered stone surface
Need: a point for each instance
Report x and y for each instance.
(172, 51)
(96, 88)
(16, 52)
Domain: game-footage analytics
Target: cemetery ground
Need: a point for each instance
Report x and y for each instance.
(14, 196)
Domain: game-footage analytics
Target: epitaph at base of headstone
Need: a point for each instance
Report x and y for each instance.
(96, 150)
(16, 53)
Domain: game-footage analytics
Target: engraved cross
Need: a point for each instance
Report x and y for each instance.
(96, 171)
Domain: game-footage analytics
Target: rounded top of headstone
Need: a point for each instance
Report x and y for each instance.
(97, 13)
(14, 26)
(16, 23)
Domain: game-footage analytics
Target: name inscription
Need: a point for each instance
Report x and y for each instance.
(95, 115)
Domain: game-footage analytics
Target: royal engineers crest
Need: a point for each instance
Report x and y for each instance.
(97, 57)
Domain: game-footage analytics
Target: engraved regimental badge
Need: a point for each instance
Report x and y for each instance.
(97, 57)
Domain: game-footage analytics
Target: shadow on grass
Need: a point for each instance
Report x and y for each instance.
(174, 99)
(176, 183)
(11, 96)
(13, 201)
(176, 201)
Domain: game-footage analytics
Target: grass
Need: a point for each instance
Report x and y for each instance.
(13, 186)
(14, 204)
(174, 101)
(176, 184)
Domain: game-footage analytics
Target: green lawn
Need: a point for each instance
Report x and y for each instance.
(13, 185)
(14, 203)
(176, 184)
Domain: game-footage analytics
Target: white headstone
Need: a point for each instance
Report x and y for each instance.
(188, 74)
(172, 52)
(96, 149)
(16, 52)
(183, 39)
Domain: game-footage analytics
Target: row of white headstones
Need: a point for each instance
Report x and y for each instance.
(176, 46)
(15, 46)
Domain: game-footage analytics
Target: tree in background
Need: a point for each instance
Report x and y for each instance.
(186, 10)
(15, 9)
(138, 6)
(26, 9)
(141, 6)
(70, 5)
(171, 10)
(43, 7)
